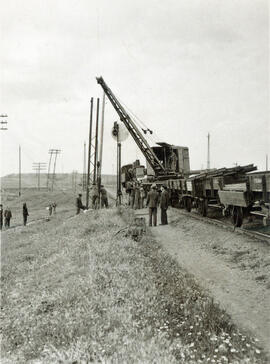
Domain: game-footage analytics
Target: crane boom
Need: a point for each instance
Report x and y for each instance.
(133, 130)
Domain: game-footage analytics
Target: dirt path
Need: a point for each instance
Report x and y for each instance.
(234, 268)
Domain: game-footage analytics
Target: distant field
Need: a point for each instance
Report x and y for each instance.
(62, 181)
(37, 203)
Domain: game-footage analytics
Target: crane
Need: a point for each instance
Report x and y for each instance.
(134, 131)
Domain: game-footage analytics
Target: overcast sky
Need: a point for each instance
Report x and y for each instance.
(184, 67)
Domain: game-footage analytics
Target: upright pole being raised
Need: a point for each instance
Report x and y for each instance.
(20, 172)
(119, 192)
(84, 167)
(99, 163)
(96, 144)
(89, 153)
(56, 152)
(101, 132)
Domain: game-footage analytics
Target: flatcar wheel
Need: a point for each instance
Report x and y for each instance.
(188, 204)
(237, 216)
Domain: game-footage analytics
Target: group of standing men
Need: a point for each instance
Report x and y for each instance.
(153, 200)
(138, 198)
(7, 215)
(137, 195)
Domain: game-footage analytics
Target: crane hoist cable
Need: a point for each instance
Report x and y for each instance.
(141, 124)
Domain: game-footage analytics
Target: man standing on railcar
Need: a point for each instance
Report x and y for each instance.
(164, 204)
(152, 203)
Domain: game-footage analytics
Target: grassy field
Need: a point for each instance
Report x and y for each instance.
(63, 181)
(77, 291)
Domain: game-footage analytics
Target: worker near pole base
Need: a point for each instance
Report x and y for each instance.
(8, 216)
(25, 214)
(152, 203)
(142, 197)
(95, 196)
(104, 197)
(79, 203)
(132, 195)
(136, 196)
(164, 204)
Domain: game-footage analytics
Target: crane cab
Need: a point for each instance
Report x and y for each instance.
(175, 159)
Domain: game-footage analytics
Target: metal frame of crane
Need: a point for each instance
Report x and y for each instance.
(139, 139)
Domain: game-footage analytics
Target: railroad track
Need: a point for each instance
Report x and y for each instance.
(253, 234)
(228, 226)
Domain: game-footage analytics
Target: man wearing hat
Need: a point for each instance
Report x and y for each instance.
(95, 196)
(79, 204)
(152, 203)
(164, 204)
(104, 197)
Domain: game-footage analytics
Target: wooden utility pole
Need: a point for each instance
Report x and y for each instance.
(20, 172)
(89, 153)
(99, 163)
(266, 162)
(96, 144)
(101, 133)
(84, 167)
(119, 192)
(40, 166)
(208, 151)
(52, 152)
(54, 166)
(49, 167)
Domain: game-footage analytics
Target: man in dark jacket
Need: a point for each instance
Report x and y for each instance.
(164, 204)
(95, 196)
(79, 204)
(8, 216)
(104, 197)
(132, 195)
(25, 214)
(152, 203)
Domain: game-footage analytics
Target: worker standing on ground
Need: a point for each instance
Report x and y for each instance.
(54, 207)
(132, 195)
(164, 204)
(79, 203)
(50, 209)
(1, 217)
(136, 196)
(104, 197)
(152, 203)
(142, 197)
(25, 214)
(95, 196)
(8, 216)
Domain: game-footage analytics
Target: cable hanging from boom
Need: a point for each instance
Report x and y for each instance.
(140, 123)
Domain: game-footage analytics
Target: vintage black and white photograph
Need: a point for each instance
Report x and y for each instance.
(135, 181)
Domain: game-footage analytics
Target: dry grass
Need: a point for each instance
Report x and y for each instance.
(73, 292)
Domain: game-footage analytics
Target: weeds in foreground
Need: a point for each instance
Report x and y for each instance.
(88, 295)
